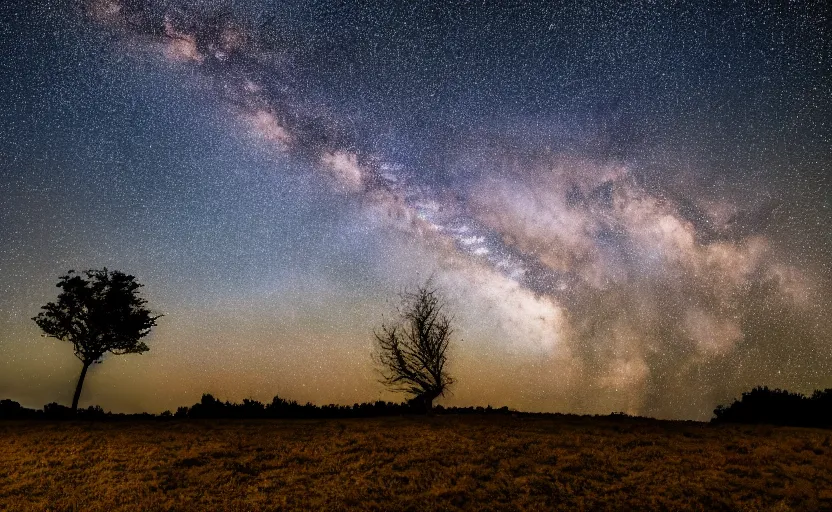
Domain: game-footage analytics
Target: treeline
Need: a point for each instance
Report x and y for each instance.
(779, 407)
(210, 407)
(761, 405)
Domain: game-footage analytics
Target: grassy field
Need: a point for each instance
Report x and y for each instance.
(435, 463)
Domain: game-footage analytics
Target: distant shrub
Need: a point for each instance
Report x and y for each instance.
(9, 409)
(56, 411)
(210, 407)
(778, 407)
(93, 412)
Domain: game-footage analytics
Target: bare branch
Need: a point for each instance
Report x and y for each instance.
(411, 355)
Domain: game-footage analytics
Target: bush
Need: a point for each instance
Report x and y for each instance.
(778, 407)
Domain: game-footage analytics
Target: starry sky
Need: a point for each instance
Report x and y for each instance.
(626, 204)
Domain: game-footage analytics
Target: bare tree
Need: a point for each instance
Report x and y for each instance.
(98, 311)
(412, 351)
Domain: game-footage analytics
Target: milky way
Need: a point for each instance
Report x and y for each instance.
(627, 207)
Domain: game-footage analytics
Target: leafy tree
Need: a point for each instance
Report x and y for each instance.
(98, 311)
(411, 353)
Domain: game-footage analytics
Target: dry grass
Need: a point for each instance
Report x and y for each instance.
(437, 463)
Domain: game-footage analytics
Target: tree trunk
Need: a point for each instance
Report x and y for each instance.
(78, 388)
(427, 401)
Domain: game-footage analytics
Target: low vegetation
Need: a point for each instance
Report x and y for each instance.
(441, 462)
(779, 407)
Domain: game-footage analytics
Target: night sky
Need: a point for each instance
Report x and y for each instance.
(628, 207)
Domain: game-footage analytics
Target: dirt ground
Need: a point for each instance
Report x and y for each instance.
(412, 463)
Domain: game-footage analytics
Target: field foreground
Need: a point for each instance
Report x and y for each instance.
(412, 463)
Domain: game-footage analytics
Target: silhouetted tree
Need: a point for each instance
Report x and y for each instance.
(98, 311)
(412, 351)
(9, 409)
(778, 407)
